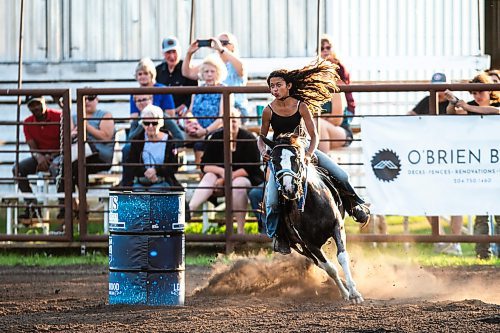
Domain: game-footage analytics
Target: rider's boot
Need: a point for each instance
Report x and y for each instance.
(281, 245)
(360, 213)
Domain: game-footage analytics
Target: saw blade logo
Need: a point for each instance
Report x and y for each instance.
(386, 165)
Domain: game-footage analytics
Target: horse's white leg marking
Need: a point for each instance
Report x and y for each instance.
(354, 295)
(329, 268)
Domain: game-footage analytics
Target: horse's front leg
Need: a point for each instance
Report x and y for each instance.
(343, 258)
(330, 269)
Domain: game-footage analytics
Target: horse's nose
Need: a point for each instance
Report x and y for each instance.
(288, 184)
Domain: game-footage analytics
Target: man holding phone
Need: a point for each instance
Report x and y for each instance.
(169, 73)
(423, 106)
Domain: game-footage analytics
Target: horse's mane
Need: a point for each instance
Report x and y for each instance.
(291, 139)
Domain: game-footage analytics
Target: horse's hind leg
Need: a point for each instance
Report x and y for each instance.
(343, 258)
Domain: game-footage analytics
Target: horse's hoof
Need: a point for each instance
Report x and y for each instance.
(357, 300)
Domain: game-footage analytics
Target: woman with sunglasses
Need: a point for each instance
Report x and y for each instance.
(227, 47)
(153, 153)
(334, 129)
(297, 95)
(484, 102)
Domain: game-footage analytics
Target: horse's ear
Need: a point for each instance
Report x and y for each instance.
(268, 142)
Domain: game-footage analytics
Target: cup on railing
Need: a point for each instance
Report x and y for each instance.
(258, 110)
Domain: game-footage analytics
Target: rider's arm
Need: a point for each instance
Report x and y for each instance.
(311, 129)
(264, 129)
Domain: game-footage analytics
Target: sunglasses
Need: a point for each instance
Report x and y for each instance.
(90, 98)
(328, 48)
(225, 42)
(147, 123)
(140, 100)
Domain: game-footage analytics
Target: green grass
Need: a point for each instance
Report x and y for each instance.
(44, 259)
(422, 254)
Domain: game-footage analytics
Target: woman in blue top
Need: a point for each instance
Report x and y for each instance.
(297, 94)
(206, 108)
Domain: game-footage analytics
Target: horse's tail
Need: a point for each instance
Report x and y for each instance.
(324, 175)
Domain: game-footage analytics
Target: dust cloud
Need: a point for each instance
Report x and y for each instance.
(379, 278)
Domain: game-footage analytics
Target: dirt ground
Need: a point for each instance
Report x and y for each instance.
(258, 294)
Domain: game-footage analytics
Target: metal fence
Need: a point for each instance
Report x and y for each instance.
(229, 238)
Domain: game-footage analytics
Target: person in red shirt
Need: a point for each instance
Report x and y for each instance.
(44, 145)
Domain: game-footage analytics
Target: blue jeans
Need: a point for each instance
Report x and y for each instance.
(163, 186)
(335, 171)
(127, 171)
(255, 196)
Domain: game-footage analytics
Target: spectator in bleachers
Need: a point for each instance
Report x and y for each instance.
(141, 101)
(226, 46)
(334, 132)
(145, 74)
(155, 150)
(484, 102)
(244, 175)
(422, 108)
(41, 139)
(212, 73)
(169, 73)
(100, 129)
(494, 75)
(327, 53)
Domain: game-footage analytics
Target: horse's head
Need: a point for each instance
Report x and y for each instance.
(287, 163)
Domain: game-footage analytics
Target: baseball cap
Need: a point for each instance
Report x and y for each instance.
(170, 43)
(439, 78)
(33, 98)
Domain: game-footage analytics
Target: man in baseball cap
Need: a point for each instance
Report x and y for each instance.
(34, 98)
(169, 44)
(439, 78)
(423, 106)
(169, 72)
(44, 145)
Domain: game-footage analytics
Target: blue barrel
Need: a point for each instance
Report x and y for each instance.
(146, 248)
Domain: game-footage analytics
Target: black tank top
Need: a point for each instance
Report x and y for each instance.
(281, 124)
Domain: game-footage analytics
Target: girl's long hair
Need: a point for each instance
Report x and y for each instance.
(313, 84)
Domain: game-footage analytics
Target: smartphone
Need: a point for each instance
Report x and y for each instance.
(204, 42)
(454, 100)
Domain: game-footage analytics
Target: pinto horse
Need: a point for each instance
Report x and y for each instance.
(310, 209)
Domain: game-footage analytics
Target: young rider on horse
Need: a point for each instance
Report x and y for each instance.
(297, 94)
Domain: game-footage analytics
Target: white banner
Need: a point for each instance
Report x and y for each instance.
(432, 165)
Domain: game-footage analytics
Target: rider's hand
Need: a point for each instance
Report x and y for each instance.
(307, 157)
(265, 156)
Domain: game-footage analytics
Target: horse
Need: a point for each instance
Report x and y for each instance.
(310, 208)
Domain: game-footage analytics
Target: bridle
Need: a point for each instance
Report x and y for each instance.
(297, 177)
